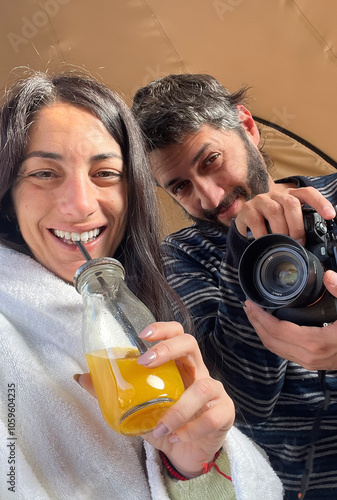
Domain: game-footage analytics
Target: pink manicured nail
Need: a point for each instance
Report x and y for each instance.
(147, 358)
(76, 377)
(174, 438)
(146, 333)
(160, 431)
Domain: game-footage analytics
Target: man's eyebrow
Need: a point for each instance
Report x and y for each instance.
(194, 161)
(200, 152)
(171, 182)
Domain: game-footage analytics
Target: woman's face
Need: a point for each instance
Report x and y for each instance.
(71, 185)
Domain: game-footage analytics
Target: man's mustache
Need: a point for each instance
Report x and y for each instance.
(225, 203)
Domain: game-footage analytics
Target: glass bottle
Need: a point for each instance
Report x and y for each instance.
(132, 397)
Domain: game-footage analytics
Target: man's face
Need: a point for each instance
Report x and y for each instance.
(212, 173)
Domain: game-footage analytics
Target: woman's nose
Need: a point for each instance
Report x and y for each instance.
(78, 197)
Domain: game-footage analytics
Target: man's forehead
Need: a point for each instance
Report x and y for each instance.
(206, 133)
(163, 161)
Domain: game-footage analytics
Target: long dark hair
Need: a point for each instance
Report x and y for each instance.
(139, 250)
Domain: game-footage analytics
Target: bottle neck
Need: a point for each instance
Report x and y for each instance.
(103, 274)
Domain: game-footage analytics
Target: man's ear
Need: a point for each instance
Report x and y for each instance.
(248, 123)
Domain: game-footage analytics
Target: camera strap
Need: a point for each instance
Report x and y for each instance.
(315, 433)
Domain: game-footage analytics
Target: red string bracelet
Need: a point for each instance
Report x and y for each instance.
(206, 467)
(171, 470)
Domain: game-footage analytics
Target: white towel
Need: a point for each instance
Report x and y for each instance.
(61, 446)
(64, 449)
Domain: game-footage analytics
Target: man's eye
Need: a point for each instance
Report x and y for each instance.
(212, 159)
(178, 188)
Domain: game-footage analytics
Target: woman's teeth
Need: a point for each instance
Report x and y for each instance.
(72, 237)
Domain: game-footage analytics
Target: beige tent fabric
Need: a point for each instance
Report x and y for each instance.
(284, 50)
(290, 156)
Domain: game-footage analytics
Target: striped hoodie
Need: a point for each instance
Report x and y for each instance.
(276, 400)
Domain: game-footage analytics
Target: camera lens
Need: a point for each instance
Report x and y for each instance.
(281, 274)
(285, 274)
(275, 271)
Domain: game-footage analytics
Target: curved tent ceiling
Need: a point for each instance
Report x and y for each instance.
(284, 50)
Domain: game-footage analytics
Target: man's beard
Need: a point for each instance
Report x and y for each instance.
(257, 182)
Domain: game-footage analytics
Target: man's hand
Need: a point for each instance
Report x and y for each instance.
(282, 208)
(314, 348)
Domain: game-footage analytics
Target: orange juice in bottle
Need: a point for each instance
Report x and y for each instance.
(132, 397)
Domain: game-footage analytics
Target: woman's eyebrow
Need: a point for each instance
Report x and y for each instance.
(43, 154)
(104, 156)
(56, 156)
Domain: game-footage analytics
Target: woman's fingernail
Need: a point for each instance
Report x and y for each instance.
(76, 377)
(160, 431)
(146, 333)
(147, 358)
(174, 438)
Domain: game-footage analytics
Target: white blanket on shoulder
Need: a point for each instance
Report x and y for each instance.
(54, 443)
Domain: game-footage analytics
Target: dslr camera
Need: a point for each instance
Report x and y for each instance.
(285, 278)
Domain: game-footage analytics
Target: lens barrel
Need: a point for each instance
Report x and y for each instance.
(275, 271)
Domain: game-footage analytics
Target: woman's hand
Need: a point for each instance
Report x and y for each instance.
(195, 427)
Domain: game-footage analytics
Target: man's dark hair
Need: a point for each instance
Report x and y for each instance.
(172, 107)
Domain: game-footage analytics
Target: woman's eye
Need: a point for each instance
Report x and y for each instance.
(108, 174)
(42, 174)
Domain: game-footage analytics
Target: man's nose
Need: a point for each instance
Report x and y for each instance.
(209, 193)
(78, 197)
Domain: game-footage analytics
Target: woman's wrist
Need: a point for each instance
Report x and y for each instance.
(171, 470)
(176, 474)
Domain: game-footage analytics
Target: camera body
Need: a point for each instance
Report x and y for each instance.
(320, 238)
(285, 278)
